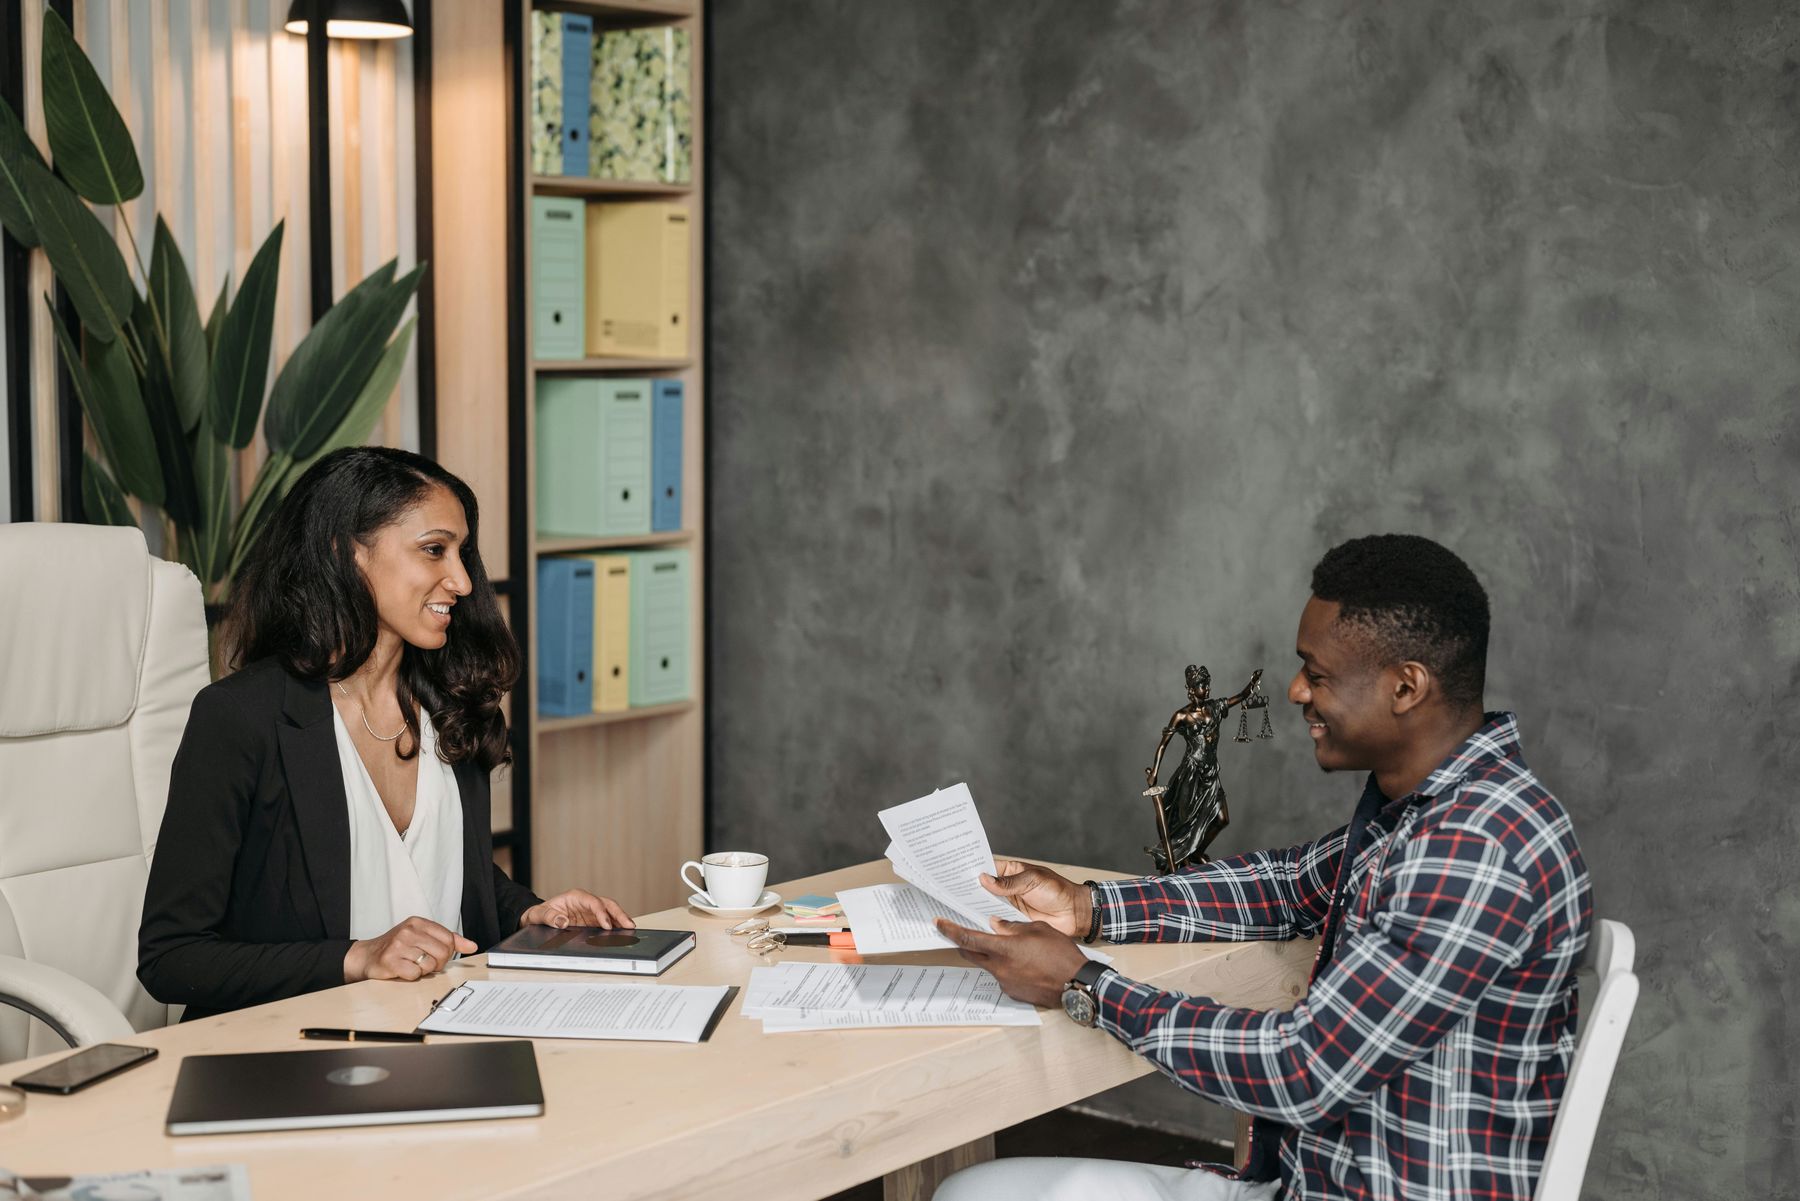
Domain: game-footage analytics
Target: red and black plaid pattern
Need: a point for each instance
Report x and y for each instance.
(1428, 1057)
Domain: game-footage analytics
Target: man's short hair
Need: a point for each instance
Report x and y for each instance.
(1412, 599)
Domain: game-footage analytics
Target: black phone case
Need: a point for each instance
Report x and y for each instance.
(33, 1081)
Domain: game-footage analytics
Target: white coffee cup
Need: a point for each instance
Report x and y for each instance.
(733, 879)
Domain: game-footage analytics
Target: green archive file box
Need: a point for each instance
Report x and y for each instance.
(558, 277)
(660, 581)
(593, 456)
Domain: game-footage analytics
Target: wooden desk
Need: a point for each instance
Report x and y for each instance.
(770, 1117)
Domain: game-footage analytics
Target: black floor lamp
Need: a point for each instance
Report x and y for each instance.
(359, 19)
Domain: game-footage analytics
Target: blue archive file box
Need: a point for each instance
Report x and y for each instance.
(659, 626)
(578, 81)
(558, 277)
(665, 455)
(565, 637)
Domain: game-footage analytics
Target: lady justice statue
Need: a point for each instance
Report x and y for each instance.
(1190, 809)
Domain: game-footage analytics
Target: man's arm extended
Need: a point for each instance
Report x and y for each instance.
(1263, 895)
(1452, 916)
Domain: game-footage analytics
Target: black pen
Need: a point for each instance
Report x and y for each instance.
(362, 1036)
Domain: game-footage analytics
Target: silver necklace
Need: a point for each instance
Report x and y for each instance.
(363, 712)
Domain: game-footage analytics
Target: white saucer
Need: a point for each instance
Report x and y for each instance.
(769, 899)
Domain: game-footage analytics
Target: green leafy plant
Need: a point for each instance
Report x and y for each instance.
(167, 394)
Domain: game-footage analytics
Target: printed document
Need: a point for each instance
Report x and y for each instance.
(228, 1182)
(664, 1013)
(824, 996)
(941, 849)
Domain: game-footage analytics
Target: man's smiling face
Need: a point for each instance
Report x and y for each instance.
(1343, 696)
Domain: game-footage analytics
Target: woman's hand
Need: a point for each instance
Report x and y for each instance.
(578, 907)
(1042, 895)
(414, 949)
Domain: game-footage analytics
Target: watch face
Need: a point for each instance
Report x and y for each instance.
(1079, 1006)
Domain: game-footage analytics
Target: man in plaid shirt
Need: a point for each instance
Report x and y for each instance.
(1428, 1057)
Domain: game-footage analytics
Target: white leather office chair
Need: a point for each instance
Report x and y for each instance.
(102, 649)
(1611, 951)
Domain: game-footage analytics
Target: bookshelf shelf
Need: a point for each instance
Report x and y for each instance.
(610, 366)
(576, 185)
(625, 12)
(557, 545)
(547, 726)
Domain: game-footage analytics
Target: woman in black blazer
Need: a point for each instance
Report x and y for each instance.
(364, 609)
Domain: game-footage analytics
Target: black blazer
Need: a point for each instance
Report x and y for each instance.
(249, 892)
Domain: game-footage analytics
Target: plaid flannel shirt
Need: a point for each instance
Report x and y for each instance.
(1427, 1059)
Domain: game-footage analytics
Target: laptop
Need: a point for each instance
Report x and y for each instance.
(360, 1086)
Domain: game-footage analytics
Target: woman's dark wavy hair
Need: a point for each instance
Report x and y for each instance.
(302, 599)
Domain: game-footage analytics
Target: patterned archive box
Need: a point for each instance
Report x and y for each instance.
(546, 93)
(641, 120)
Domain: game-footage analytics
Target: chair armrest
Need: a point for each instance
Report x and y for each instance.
(78, 1012)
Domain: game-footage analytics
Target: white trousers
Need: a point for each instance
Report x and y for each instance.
(1031, 1179)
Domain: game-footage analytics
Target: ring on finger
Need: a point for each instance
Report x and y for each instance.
(419, 959)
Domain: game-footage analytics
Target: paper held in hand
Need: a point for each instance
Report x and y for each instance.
(940, 848)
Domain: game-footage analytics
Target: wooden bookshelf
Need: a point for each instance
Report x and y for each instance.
(612, 801)
(617, 13)
(548, 544)
(569, 185)
(612, 366)
(547, 726)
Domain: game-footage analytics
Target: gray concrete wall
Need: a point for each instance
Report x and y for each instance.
(1053, 342)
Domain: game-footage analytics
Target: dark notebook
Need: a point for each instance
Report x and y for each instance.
(591, 949)
(360, 1086)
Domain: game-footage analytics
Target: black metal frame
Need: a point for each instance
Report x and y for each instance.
(18, 285)
(318, 146)
(70, 432)
(704, 665)
(521, 567)
(424, 221)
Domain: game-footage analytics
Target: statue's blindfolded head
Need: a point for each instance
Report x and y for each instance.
(1198, 677)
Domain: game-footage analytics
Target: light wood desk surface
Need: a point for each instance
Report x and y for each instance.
(748, 1115)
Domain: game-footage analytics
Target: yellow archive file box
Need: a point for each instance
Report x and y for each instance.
(637, 279)
(612, 633)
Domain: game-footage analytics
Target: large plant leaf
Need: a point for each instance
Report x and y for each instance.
(181, 495)
(240, 365)
(101, 501)
(16, 149)
(371, 402)
(88, 138)
(215, 317)
(328, 369)
(84, 256)
(172, 298)
(212, 480)
(256, 510)
(109, 397)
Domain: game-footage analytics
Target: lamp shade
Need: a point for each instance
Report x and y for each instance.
(353, 18)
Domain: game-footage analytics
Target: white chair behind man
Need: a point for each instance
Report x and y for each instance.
(1611, 953)
(102, 648)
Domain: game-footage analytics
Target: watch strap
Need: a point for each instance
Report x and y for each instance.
(1089, 975)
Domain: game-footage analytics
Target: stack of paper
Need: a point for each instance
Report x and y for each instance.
(835, 996)
(814, 908)
(664, 1013)
(941, 849)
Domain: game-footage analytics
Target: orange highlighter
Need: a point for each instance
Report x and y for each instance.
(843, 940)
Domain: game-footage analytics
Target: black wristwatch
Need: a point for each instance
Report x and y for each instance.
(1079, 1000)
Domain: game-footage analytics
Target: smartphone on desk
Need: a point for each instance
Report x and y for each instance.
(90, 1065)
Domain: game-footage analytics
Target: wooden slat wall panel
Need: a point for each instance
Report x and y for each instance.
(468, 158)
(214, 92)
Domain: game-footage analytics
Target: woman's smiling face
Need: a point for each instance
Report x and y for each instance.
(415, 572)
